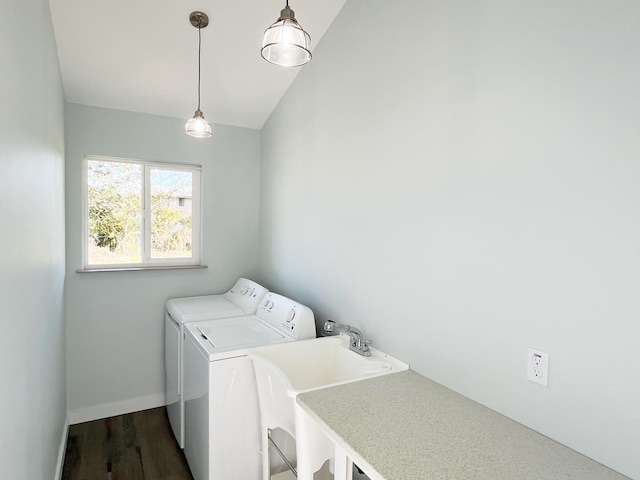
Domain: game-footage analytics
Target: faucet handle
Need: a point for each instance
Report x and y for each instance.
(364, 348)
(329, 326)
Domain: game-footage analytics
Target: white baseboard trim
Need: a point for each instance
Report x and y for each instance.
(117, 408)
(62, 449)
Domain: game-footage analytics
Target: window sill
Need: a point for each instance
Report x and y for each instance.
(141, 269)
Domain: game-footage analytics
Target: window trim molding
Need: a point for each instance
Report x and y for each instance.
(142, 269)
(147, 263)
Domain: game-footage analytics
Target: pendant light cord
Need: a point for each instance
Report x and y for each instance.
(199, 48)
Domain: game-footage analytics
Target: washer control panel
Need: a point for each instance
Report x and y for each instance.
(247, 294)
(287, 316)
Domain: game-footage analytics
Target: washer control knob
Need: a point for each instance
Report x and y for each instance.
(268, 305)
(291, 315)
(244, 290)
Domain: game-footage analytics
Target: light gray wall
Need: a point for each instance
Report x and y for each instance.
(115, 320)
(461, 180)
(32, 358)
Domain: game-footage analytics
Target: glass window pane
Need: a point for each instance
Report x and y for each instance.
(115, 199)
(171, 213)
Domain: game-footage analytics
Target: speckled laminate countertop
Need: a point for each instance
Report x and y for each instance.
(404, 426)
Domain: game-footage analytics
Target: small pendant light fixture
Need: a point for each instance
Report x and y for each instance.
(285, 43)
(198, 126)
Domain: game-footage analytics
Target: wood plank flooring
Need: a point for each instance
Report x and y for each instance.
(136, 446)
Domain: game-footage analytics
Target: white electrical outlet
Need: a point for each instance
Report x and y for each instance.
(538, 366)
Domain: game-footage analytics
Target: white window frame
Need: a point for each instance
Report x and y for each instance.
(147, 262)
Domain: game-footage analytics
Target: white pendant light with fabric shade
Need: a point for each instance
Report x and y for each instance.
(285, 43)
(197, 126)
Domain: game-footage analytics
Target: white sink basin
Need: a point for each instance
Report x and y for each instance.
(320, 363)
(285, 370)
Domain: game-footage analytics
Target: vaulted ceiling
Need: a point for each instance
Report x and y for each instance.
(142, 55)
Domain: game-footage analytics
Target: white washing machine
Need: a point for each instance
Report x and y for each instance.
(243, 299)
(222, 423)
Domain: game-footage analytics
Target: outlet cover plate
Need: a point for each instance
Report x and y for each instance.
(538, 366)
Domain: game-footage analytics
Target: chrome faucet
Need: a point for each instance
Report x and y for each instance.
(356, 342)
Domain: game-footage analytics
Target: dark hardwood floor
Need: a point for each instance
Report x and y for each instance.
(136, 446)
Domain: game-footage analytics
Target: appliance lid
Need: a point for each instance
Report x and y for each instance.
(206, 307)
(238, 334)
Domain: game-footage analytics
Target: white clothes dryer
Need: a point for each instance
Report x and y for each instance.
(242, 299)
(222, 423)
